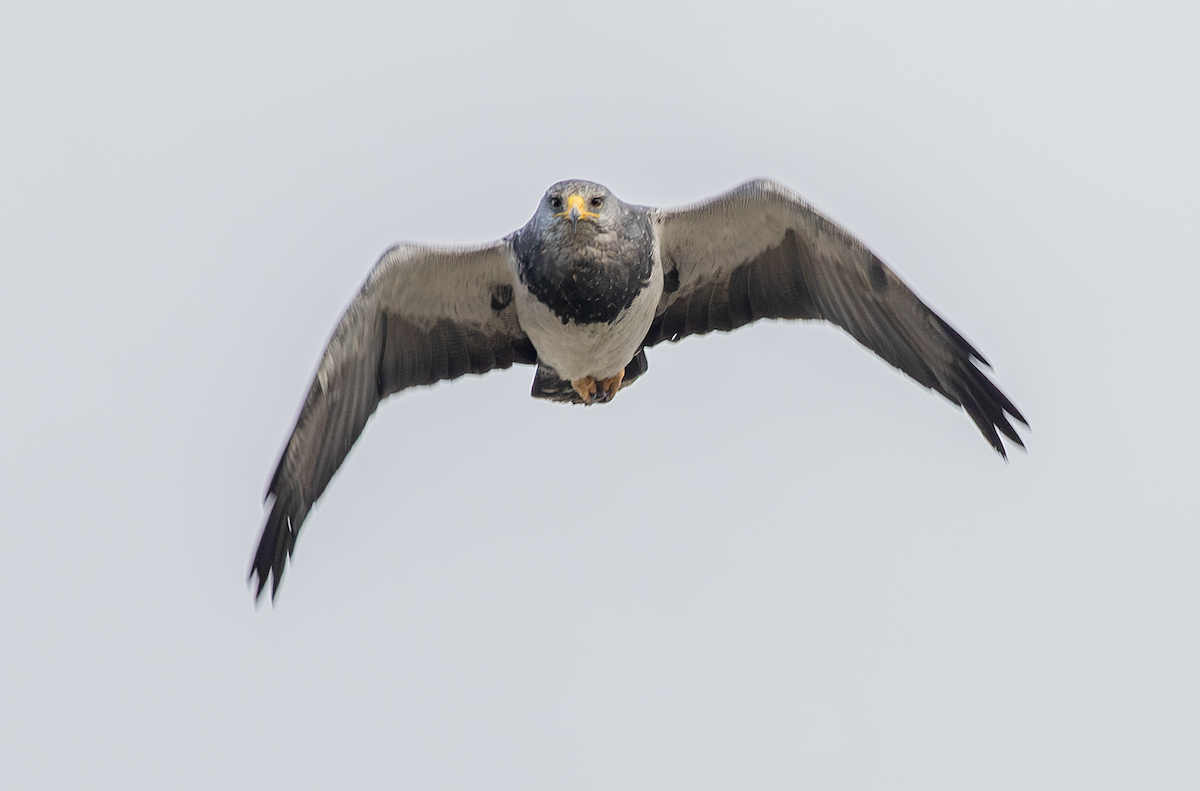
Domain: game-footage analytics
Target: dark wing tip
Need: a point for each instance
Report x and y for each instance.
(983, 401)
(274, 546)
(987, 406)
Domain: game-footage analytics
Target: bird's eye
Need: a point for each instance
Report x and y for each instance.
(597, 203)
(556, 202)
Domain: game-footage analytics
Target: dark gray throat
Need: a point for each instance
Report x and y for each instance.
(585, 284)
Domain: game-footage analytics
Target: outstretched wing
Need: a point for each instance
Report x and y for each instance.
(759, 251)
(423, 315)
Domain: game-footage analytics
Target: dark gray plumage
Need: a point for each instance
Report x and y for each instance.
(582, 290)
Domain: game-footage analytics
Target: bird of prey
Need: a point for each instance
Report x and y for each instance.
(581, 292)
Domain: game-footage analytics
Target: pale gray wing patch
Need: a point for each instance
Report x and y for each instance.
(423, 315)
(759, 251)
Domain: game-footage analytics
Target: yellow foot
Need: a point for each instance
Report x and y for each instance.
(593, 392)
(607, 390)
(586, 387)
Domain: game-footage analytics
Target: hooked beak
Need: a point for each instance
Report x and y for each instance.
(575, 210)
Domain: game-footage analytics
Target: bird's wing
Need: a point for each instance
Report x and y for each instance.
(759, 251)
(423, 315)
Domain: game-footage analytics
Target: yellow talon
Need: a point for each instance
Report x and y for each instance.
(594, 392)
(586, 387)
(611, 385)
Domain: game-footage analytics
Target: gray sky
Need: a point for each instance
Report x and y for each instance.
(774, 563)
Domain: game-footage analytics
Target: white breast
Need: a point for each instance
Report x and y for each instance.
(596, 350)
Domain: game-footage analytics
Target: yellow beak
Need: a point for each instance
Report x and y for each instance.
(575, 210)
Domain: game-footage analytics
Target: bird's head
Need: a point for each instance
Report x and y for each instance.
(583, 205)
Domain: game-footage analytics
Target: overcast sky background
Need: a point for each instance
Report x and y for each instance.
(774, 563)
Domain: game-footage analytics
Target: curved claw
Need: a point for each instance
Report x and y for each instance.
(608, 388)
(598, 392)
